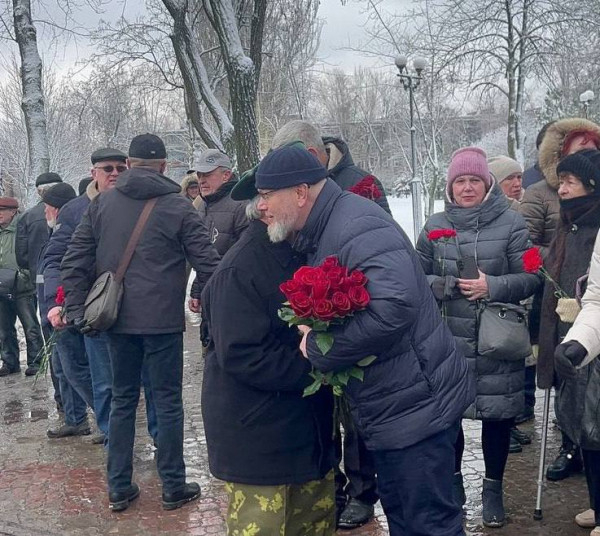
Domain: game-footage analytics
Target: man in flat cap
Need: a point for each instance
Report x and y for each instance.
(413, 395)
(225, 218)
(32, 236)
(17, 297)
(85, 360)
(149, 329)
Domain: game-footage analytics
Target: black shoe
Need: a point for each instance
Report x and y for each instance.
(120, 500)
(172, 501)
(31, 371)
(458, 490)
(520, 436)
(527, 415)
(514, 446)
(66, 430)
(6, 370)
(566, 463)
(98, 439)
(355, 514)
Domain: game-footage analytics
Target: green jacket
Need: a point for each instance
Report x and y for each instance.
(8, 257)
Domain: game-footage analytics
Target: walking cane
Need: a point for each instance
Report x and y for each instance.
(537, 514)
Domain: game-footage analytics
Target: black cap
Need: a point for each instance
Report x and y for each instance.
(147, 147)
(58, 195)
(107, 154)
(47, 178)
(83, 184)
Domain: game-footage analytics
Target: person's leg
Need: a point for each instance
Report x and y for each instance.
(126, 355)
(150, 409)
(47, 334)
(415, 486)
(9, 345)
(75, 408)
(458, 486)
(591, 462)
(75, 364)
(101, 375)
(26, 311)
(163, 359)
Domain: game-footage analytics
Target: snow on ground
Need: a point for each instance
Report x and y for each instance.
(401, 208)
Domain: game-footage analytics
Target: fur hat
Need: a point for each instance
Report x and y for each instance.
(468, 161)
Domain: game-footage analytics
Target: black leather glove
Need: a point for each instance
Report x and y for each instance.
(566, 357)
(443, 287)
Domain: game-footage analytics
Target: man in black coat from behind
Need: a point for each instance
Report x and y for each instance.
(149, 328)
(262, 434)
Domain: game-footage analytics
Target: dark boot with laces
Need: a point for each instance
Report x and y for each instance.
(493, 503)
(566, 463)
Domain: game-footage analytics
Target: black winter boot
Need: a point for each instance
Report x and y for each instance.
(458, 490)
(566, 463)
(493, 504)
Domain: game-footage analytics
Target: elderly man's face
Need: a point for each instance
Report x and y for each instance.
(6, 216)
(105, 173)
(281, 211)
(212, 181)
(51, 214)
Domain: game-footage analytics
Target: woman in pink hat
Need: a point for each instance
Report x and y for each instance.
(479, 261)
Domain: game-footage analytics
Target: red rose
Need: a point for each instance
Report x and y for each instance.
(359, 297)
(320, 289)
(329, 263)
(301, 304)
(357, 278)
(290, 287)
(367, 187)
(323, 309)
(532, 260)
(336, 276)
(341, 303)
(307, 275)
(60, 296)
(437, 234)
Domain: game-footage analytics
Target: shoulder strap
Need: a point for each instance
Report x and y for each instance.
(134, 239)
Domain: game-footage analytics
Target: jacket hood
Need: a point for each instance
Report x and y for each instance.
(144, 183)
(339, 154)
(493, 205)
(549, 153)
(186, 182)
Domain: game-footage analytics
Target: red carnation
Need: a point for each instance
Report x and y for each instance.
(438, 234)
(532, 260)
(301, 304)
(60, 296)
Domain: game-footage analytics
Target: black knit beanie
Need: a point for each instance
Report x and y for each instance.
(585, 165)
(58, 195)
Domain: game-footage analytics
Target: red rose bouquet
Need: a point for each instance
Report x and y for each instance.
(367, 187)
(533, 263)
(322, 296)
(45, 354)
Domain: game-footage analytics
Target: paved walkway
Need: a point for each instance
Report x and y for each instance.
(58, 487)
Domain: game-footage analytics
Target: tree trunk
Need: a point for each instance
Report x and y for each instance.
(33, 97)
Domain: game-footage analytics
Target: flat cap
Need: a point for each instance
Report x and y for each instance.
(107, 154)
(9, 202)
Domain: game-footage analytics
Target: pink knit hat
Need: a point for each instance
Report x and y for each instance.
(468, 161)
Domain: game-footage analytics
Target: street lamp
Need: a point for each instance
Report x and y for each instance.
(410, 82)
(585, 98)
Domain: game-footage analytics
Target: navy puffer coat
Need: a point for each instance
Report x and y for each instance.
(419, 385)
(497, 237)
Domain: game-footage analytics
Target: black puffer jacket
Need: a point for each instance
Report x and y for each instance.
(32, 236)
(418, 386)
(154, 284)
(345, 172)
(497, 237)
(259, 428)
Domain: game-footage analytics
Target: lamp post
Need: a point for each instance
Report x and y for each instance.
(585, 98)
(410, 82)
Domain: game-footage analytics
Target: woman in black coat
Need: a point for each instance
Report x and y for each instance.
(494, 238)
(567, 262)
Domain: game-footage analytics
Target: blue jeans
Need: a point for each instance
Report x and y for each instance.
(75, 364)
(73, 405)
(162, 355)
(415, 486)
(102, 378)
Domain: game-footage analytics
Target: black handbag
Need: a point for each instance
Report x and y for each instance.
(503, 332)
(8, 283)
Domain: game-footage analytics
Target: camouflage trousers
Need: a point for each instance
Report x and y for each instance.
(288, 510)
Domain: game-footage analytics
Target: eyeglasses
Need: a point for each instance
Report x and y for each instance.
(266, 195)
(110, 169)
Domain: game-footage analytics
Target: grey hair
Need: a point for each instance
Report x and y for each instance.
(300, 130)
(252, 212)
(43, 187)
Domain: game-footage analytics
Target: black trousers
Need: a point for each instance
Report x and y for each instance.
(357, 479)
(162, 356)
(23, 307)
(591, 462)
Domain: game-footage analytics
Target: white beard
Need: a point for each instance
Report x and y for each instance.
(51, 223)
(281, 230)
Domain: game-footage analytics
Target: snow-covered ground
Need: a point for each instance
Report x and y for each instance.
(402, 211)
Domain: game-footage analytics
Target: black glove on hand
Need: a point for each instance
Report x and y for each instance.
(443, 287)
(81, 325)
(566, 357)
